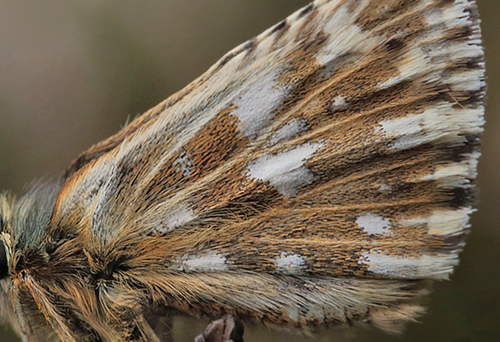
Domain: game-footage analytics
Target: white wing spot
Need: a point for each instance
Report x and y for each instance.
(255, 107)
(289, 263)
(208, 262)
(344, 36)
(449, 222)
(339, 102)
(426, 266)
(467, 81)
(374, 224)
(184, 164)
(286, 171)
(441, 122)
(433, 16)
(385, 188)
(289, 131)
(464, 169)
(176, 218)
(413, 63)
(443, 222)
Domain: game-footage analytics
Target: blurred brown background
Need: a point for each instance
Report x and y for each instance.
(72, 72)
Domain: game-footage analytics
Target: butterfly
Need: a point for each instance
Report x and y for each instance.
(320, 174)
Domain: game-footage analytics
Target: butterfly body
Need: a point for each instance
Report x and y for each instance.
(319, 174)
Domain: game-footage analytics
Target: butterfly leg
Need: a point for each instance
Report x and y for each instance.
(226, 329)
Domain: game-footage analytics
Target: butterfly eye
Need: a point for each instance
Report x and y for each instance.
(4, 268)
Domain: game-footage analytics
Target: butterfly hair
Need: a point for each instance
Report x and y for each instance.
(322, 173)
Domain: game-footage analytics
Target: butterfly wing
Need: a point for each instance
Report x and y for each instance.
(314, 175)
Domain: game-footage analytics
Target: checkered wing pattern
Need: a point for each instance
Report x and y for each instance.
(317, 174)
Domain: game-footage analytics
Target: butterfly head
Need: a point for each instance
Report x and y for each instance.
(7, 312)
(23, 226)
(5, 237)
(23, 250)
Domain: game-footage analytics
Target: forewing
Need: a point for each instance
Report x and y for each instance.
(341, 142)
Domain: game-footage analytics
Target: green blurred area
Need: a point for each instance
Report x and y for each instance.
(72, 72)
